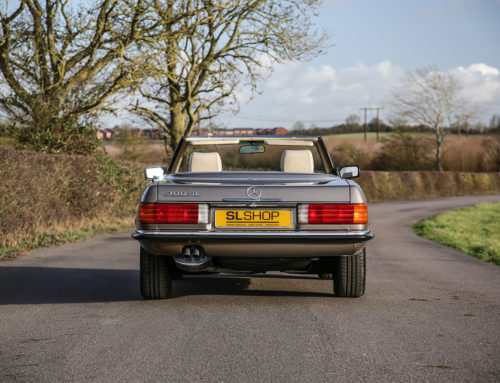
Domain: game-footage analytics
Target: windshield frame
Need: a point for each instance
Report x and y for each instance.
(210, 140)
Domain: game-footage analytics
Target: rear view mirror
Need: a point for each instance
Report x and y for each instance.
(351, 171)
(250, 149)
(153, 172)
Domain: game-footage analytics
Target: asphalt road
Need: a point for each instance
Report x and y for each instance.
(74, 313)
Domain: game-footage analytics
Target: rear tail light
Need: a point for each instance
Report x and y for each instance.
(177, 213)
(322, 214)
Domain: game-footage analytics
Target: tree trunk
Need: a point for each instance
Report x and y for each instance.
(439, 141)
(177, 125)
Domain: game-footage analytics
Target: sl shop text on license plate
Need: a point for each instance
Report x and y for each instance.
(253, 218)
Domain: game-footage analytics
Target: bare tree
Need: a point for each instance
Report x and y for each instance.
(298, 126)
(214, 48)
(59, 62)
(352, 121)
(431, 98)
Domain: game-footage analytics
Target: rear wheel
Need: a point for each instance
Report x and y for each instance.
(155, 278)
(349, 275)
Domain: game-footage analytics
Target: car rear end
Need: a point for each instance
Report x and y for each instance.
(251, 222)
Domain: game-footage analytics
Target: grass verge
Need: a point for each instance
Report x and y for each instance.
(59, 236)
(472, 230)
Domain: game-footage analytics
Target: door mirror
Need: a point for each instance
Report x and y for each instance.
(153, 172)
(351, 171)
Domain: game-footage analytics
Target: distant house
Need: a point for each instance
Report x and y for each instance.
(235, 132)
(151, 133)
(109, 133)
(244, 131)
(278, 131)
(104, 134)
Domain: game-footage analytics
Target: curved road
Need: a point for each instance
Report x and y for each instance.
(74, 313)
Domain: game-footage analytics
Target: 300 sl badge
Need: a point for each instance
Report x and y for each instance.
(181, 194)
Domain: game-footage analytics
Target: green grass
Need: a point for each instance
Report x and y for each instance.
(472, 230)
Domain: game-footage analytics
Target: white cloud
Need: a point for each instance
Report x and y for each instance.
(316, 94)
(326, 95)
(481, 85)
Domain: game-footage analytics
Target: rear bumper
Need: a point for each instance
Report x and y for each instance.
(255, 244)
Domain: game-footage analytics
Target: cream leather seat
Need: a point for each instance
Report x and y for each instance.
(205, 162)
(297, 161)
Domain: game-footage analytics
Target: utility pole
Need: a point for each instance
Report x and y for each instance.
(378, 127)
(365, 109)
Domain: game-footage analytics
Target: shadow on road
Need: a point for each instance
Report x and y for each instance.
(45, 285)
(236, 285)
(38, 285)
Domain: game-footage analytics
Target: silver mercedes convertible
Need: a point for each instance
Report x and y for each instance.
(252, 204)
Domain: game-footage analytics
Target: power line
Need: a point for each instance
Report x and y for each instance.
(276, 119)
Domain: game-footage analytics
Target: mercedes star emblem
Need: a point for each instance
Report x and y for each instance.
(254, 192)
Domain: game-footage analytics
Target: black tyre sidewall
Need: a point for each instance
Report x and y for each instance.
(349, 275)
(155, 278)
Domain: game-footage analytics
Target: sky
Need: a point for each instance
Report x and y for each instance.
(375, 43)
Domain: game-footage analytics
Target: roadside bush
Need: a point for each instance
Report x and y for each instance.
(63, 137)
(348, 154)
(491, 147)
(407, 185)
(44, 196)
(404, 151)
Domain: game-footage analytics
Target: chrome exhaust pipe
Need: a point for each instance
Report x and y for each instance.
(193, 259)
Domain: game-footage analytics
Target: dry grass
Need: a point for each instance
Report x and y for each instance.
(353, 151)
(143, 150)
(464, 154)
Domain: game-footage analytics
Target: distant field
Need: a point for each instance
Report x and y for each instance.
(357, 136)
(372, 136)
(472, 230)
(143, 150)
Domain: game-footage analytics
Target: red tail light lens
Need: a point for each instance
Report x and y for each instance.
(184, 213)
(321, 214)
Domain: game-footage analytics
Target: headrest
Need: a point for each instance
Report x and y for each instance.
(297, 161)
(205, 162)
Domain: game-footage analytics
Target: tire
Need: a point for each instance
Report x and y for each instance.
(349, 275)
(155, 279)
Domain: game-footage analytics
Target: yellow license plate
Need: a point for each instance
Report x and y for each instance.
(253, 218)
